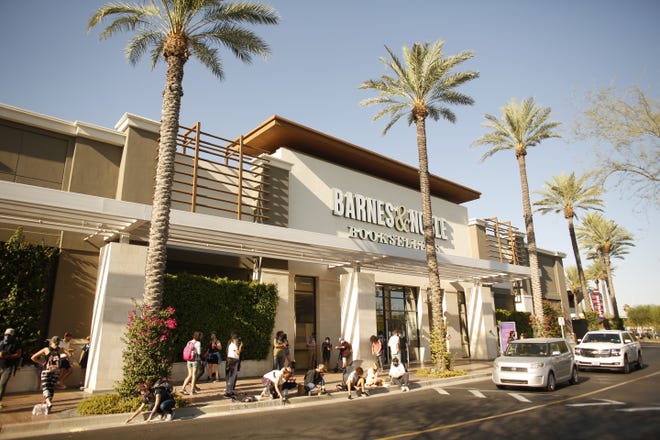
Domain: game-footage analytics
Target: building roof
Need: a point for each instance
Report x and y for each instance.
(276, 132)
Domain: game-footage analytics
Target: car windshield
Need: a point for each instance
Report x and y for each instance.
(612, 338)
(527, 349)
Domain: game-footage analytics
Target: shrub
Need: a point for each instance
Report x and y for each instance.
(115, 404)
(149, 350)
(432, 372)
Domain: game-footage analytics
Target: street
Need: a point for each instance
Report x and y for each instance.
(603, 405)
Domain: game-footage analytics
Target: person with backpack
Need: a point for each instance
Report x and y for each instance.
(192, 353)
(158, 400)
(48, 359)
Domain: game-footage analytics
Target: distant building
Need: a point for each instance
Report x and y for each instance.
(335, 226)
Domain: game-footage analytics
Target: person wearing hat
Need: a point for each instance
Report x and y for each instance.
(10, 356)
(314, 378)
(48, 359)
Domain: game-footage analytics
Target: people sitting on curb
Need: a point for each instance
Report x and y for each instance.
(314, 378)
(399, 375)
(372, 377)
(158, 400)
(355, 381)
(273, 382)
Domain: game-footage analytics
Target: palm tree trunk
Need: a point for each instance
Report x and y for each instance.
(160, 211)
(537, 294)
(578, 264)
(610, 287)
(439, 352)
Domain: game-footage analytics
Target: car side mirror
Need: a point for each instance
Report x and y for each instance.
(627, 341)
(579, 340)
(556, 353)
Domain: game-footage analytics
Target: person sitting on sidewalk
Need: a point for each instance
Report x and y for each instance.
(315, 378)
(273, 383)
(355, 381)
(158, 400)
(399, 375)
(372, 377)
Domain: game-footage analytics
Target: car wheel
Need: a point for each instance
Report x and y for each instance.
(640, 361)
(552, 382)
(500, 387)
(626, 365)
(575, 378)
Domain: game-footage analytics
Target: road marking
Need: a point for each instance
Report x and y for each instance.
(512, 413)
(478, 394)
(601, 403)
(519, 397)
(643, 408)
(442, 391)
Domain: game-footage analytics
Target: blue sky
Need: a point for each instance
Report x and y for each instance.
(322, 51)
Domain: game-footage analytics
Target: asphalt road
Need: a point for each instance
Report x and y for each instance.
(602, 406)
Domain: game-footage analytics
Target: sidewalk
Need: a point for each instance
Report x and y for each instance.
(16, 419)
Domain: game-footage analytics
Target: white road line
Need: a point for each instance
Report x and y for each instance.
(601, 403)
(478, 394)
(441, 391)
(643, 408)
(519, 397)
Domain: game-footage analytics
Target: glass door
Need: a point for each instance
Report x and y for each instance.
(305, 316)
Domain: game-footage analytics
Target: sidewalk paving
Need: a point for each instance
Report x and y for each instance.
(17, 421)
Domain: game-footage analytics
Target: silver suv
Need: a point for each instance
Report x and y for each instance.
(537, 362)
(609, 349)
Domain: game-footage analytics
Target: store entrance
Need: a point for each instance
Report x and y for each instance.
(305, 315)
(396, 309)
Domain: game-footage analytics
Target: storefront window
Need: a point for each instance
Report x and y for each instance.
(396, 309)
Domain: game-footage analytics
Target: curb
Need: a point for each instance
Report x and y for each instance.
(90, 423)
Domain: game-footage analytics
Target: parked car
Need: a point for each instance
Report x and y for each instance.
(609, 349)
(537, 363)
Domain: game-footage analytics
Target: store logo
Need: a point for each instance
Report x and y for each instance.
(377, 212)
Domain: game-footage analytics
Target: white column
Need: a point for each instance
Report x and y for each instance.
(358, 312)
(120, 278)
(482, 323)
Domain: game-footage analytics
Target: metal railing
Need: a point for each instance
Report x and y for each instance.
(220, 176)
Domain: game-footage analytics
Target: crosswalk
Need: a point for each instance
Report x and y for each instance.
(481, 394)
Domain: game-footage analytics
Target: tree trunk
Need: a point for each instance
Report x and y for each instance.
(578, 264)
(439, 352)
(160, 211)
(537, 294)
(610, 287)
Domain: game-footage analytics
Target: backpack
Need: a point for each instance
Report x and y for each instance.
(189, 351)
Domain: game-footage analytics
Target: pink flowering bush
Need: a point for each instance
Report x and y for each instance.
(149, 347)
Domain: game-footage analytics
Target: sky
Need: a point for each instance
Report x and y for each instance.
(322, 51)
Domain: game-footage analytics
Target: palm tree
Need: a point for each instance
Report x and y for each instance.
(604, 240)
(423, 86)
(573, 280)
(568, 194)
(175, 30)
(522, 126)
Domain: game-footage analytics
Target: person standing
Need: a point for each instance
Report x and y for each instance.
(403, 350)
(377, 350)
(84, 356)
(393, 345)
(326, 350)
(10, 356)
(234, 349)
(311, 349)
(66, 354)
(193, 365)
(214, 358)
(48, 358)
(345, 351)
(278, 350)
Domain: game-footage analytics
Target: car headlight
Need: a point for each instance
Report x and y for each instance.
(536, 365)
(578, 351)
(615, 352)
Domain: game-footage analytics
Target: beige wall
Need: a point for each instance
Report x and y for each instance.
(135, 182)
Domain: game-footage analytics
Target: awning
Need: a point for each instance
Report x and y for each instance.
(103, 220)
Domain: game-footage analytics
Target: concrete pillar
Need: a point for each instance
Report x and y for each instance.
(482, 325)
(120, 278)
(358, 312)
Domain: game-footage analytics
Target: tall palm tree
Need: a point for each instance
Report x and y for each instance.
(522, 126)
(604, 240)
(175, 30)
(421, 87)
(568, 195)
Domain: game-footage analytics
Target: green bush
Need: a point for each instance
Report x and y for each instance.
(432, 372)
(27, 274)
(114, 404)
(522, 320)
